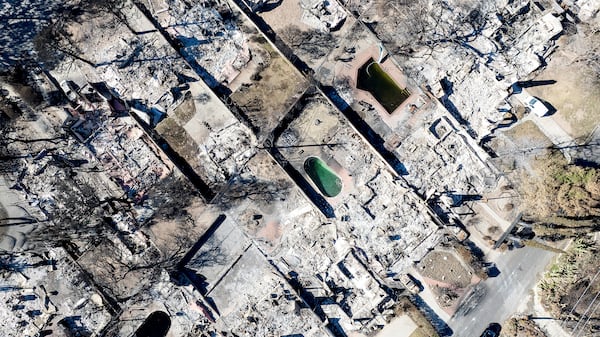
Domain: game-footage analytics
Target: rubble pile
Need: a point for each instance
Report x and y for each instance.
(141, 67)
(476, 70)
(129, 156)
(322, 15)
(267, 306)
(209, 34)
(191, 313)
(381, 231)
(114, 169)
(48, 292)
(226, 151)
(439, 158)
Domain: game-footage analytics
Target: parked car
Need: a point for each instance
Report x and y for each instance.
(68, 90)
(537, 107)
(493, 330)
(409, 283)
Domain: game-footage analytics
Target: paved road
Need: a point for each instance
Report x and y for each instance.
(498, 298)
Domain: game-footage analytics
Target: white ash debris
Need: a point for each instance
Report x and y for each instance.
(335, 278)
(143, 67)
(188, 310)
(385, 235)
(268, 306)
(48, 292)
(129, 156)
(587, 10)
(210, 35)
(440, 165)
(509, 49)
(229, 148)
(324, 15)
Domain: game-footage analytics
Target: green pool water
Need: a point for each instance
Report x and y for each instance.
(381, 86)
(326, 180)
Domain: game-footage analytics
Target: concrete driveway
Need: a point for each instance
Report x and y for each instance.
(559, 137)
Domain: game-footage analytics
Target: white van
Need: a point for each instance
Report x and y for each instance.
(537, 107)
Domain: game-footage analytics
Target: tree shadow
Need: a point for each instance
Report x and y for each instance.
(586, 163)
(438, 323)
(551, 109)
(268, 6)
(188, 42)
(201, 241)
(459, 199)
(259, 191)
(533, 83)
(448, 88)
(74, 325)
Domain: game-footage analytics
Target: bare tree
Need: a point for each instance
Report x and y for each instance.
(412, 25)
(313, 42)
(252, 188)
(171, 196)
(54, 43)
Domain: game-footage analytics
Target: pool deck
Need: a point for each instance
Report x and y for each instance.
(350, 70)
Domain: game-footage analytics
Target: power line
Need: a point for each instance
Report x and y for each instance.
(588, 319)
(580, 297)
(585, 312)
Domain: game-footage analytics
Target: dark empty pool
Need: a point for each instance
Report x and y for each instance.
(326, 180)
(157, 324)
(372, 78)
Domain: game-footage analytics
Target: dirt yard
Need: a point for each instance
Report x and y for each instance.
(272, 90)
(177, 138)
(521, 327)
(523, 146)
(445, 267)
(527, 136)
(408, 312)
(575, 95)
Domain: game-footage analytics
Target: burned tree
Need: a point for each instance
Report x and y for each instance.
(313, 42)
(54, 43)
(251, 188)
(413, 25)
(171, 196)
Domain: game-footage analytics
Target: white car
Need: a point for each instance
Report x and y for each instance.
(66, 88)
(537, 107)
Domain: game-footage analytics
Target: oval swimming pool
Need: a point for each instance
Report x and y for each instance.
(323, 176)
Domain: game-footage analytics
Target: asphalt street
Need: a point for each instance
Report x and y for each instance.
(496, 299)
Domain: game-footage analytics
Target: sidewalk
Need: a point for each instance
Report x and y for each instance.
(550, 326)
(428, 297)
